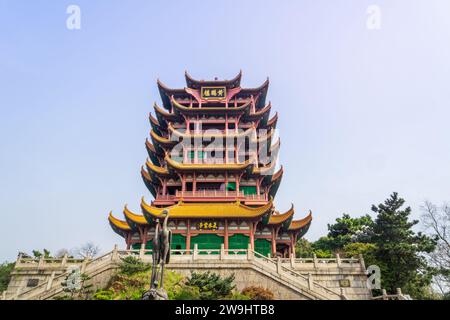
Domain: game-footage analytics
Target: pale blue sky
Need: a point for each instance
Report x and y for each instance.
(362, 113)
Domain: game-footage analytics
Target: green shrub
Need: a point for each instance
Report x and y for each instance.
(131, 265)
(103, 295)
(5, 275)
(185, 292)
(174, 284)
(211, 286)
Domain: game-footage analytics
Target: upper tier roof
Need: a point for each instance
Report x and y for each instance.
(197, 84)
(232, 86)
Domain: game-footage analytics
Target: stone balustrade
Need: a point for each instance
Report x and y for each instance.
(316, 278)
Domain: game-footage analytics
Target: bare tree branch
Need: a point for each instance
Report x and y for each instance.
(87, 251)
(436, 221)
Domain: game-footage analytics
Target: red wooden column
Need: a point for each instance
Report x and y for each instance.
(226, 140)
(194, 182)
(225, 238)
(188, 236)
(252, 236)
(226, 124)
(197, 124)
(143, 234)
(274, 242)
(292, 246)
(128, 240)
(226, 183)
(183, 183)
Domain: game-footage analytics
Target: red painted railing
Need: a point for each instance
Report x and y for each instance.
(211, 195)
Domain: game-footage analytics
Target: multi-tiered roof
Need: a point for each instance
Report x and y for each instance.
(184, 173)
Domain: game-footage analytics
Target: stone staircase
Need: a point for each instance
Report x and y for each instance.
(288, 276)
(102, 266)
(248, 266)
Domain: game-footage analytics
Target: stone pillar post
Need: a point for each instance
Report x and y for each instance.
(292, 260)
(64, 260)
(195, 253)
(142, 251)
(222, 251)
(278, 265)
(384, 293)
(250, 253)
(362, 263)
(310, 281)
(50, 281)
(41, 262)
(315, 261)
(338, 260)
(115, 253)
(4, 295)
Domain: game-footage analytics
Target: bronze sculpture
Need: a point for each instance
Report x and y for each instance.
(160, 256)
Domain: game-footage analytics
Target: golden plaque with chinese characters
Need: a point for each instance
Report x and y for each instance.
(207, 226)
(214, 93)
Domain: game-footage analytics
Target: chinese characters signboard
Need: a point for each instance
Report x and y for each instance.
(207, 226)
(214, 93)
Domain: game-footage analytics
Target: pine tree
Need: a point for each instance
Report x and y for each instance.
(399, 250)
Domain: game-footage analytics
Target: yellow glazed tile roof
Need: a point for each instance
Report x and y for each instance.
(280, 218)
(160, 139)
(210, 210)
(123, 225)
(297, 224)
(164, 113)
(137, 218)
(156, 169)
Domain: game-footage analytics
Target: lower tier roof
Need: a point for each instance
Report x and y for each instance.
(225, 210)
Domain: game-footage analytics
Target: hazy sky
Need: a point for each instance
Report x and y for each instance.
(362, 112)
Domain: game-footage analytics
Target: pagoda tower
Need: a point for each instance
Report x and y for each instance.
(212, 165)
